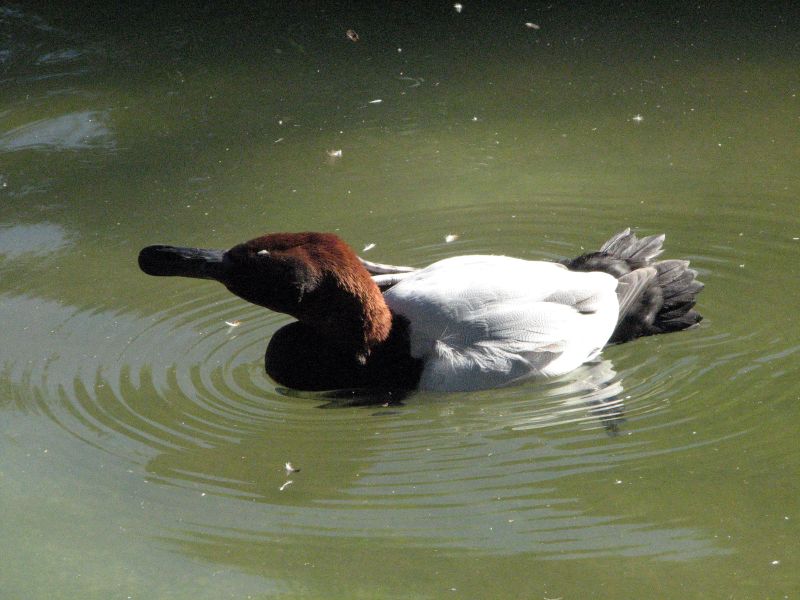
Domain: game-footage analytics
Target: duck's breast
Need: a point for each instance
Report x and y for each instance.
(486, 321)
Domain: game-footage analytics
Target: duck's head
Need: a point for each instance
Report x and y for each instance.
(314, 277)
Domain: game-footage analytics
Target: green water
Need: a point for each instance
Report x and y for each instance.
(142, 447)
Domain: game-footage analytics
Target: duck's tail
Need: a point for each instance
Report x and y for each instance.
(655, 297)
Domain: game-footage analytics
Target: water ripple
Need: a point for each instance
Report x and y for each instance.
(177, 392)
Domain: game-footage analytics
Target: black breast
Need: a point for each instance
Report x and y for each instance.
(300, 358)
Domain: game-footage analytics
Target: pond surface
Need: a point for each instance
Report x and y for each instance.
(142, 447)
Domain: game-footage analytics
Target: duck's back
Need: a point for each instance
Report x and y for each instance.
(484, 321)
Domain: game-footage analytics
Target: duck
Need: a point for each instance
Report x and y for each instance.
(462, 323)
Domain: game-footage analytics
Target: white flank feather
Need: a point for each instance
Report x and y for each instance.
(485, 321)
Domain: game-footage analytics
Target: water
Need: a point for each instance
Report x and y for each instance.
(142, 447)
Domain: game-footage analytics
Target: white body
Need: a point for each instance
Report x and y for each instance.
(486, 321)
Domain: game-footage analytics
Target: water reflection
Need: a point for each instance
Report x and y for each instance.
(36, 51)
(183, 398)
(77, 131)
(59, 56)
(35, 239)
(16, 16)
(590, 394)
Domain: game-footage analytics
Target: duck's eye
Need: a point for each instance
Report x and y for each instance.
(263, 252)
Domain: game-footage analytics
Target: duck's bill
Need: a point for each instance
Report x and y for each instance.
(174, 261)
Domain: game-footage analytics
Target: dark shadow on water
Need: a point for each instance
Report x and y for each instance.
(351, 398)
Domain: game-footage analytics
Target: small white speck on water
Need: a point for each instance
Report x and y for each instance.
(285, 485)
(637, 118)
(450, 237)
(368, 247)
(458, 7)
(376, 101)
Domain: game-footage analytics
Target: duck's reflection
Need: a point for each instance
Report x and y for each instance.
(591, 393)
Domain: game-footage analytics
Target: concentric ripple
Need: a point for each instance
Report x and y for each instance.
(178, 392)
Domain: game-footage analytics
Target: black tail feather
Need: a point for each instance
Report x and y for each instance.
(679, 288)
(662, 305)
(636, 252)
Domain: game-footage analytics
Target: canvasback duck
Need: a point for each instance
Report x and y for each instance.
(462, 323)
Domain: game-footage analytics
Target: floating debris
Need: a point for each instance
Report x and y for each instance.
(458, 7)
(368, 247)
(285, 485)
(376, 101)
(352, 35)
(450, 237)
(530, 25)
(233, 323)
(289, 468)
(335, 153)
(417, 81)
(637, 118)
